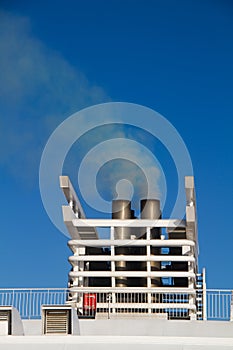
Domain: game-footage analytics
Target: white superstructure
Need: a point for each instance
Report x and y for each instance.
(139, 269)
(137, 289)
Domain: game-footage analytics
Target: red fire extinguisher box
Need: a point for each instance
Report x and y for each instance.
(89, 304)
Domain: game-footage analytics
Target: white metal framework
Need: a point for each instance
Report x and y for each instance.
(149, 274)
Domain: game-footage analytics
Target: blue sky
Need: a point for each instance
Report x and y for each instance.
(172, 56)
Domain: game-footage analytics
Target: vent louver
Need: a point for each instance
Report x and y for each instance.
(4, 315)
(57, 322)
(5, 322)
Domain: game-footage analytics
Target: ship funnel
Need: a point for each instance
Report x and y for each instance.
(121, 209)
(150, 209)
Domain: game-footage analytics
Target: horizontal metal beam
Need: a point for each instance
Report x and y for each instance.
(133, 306)
(130, 242)
(75, 274)
(77, 258)
(169, 223)
(140, 290)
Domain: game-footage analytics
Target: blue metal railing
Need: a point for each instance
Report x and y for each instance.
(218, 303)
(29, 301)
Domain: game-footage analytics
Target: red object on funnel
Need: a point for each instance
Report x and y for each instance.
(89, 304)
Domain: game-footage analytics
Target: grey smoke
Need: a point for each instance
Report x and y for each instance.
(38, 89)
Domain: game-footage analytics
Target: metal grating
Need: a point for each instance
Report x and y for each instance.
(4, 315)
(57, 322)
(5, 322)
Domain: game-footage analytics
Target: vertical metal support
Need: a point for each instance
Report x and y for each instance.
(113, 280)
(113, 267)
(13, 298)
(231, 308)
(80, 267)
(112, 237)
(148, 254)
(192, 313)
(109, 299)
(30, 303)
(204, 295)
(77, 281)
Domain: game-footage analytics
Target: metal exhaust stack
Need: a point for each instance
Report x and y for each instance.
(121, 209)
(150, 209)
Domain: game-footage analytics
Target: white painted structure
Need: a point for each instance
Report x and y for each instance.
(180, 266)
(159, 302)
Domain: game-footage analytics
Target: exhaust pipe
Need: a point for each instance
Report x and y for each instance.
(121, 209)
(150, 209)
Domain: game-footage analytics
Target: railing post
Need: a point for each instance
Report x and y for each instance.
(65, 296)
(30, 305)
(13, 298)
(231, 312)
(109, 301)
(204, 295)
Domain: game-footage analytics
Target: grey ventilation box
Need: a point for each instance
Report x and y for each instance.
(59, 319)
(10, 321)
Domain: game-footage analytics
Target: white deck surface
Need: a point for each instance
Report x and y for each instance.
(114, 343)
(127, 334)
